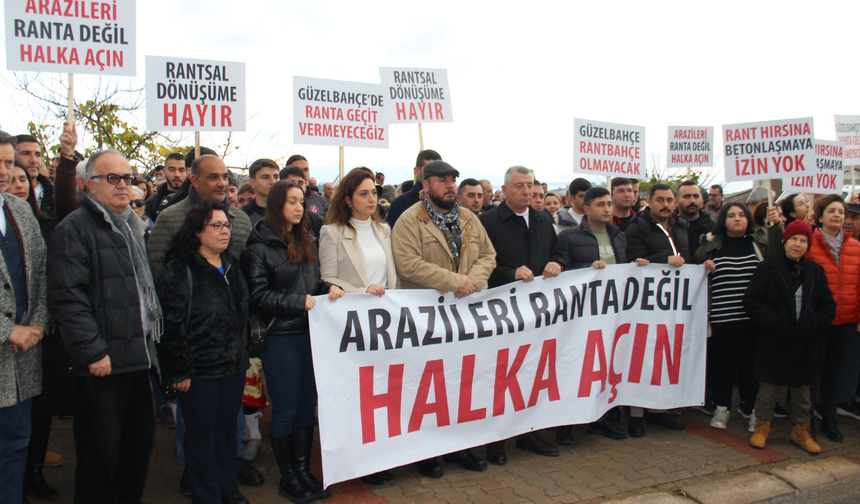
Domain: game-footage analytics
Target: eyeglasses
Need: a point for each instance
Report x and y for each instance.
(218, 226)
(138, 203)
(113, 178)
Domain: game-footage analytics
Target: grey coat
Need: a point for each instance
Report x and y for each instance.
(171, 219)
(22, 369)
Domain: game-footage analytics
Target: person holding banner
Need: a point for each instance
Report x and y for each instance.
(839, 254)
(355, 249)
(526, 246)
(655, 235)
(594, 243)
(440, 245)
(281, 268)
(731, 252)
(792, 320)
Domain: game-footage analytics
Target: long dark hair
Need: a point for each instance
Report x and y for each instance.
(299, 248)
(787, 205)
(720, 226)
(196, 220)
(339, 212)
(31, 195)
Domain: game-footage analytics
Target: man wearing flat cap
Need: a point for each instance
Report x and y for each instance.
(439, 245)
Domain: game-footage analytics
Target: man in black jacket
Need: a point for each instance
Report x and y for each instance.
(175, 174)
(655, 235)
(526, 245)
(29, 154)
(262, 175)
(102, 297)
(699, 222)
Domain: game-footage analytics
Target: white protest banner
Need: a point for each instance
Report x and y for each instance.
(690, 147)
(827, 175)
(415, 374)
(66, 36)
(769, 149)
(416, 95)
(340, 113)
(194, 95)
(613, 150)
(848, 132)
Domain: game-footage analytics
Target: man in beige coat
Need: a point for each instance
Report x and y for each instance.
(439, 245)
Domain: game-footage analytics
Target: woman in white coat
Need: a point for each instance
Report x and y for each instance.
(355, 248)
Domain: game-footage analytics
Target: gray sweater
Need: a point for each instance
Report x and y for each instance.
(171, 219)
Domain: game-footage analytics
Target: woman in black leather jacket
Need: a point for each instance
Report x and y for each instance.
(281, 267)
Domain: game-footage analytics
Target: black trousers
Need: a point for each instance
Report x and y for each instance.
(832, 353)
(731, 350)
(113, 428)
(209, 408)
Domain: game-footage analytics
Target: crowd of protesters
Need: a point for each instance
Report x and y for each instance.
(126, 304)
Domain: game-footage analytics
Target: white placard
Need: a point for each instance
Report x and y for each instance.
(65, 36)
(690, 147)
(416, 95)
(827, 176)
(769, 149)
(194, 95)
(848, 132)
(340, 113)
(613, 150)
(415, 374)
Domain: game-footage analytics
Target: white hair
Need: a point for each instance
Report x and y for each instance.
(519, 169)
(81, 170)
(136, 190)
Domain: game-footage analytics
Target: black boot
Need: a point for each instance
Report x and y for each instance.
(291, 486)
(564, 435)
(35, 483)
(828, 428)
(304, 444)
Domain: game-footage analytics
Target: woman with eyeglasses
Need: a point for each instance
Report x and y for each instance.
(204, 349)
(281, 267)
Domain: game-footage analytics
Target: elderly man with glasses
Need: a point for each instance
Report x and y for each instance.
(102, 297)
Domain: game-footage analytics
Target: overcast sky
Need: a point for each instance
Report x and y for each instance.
(519, 72)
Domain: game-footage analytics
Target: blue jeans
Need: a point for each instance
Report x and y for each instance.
(180, 434)
(14, 438)
(210, 406)
(290, 378)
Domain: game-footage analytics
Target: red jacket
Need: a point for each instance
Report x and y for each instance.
(844, 280)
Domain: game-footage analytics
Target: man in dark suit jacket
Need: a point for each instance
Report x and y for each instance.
(526, 245)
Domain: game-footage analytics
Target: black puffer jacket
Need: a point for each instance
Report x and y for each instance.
(578, 245)
(92, 292)
(215, 344)
(277, 288)
(646, 241)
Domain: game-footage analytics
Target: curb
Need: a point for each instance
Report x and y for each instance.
(756, 487)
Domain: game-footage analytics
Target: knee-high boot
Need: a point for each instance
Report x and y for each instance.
(291, 486)
(304, 444)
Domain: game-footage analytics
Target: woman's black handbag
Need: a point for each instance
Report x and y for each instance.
(258, 334)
